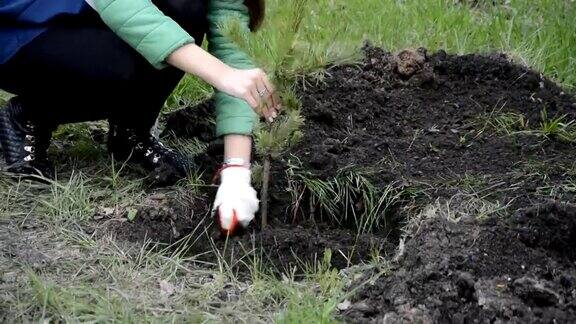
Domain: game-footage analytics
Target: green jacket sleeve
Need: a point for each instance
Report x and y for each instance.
(144, 27)
(233, 115)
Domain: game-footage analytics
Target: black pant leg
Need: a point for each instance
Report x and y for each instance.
(74, 73)
(79, 74)
(189, 14)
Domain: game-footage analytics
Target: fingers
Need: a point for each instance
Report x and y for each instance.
(261, 95)
(235, 207)
(263, 104)
(272, 98)
(250, 92)
(251, 99)
(275, 99)
(227, 217)
(231, 215)
(267, 106)
(269, 90)
(244, 216)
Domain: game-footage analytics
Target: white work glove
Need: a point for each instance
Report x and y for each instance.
(236, 201)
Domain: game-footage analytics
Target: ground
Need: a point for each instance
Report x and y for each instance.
(433, 184)
(464, 270)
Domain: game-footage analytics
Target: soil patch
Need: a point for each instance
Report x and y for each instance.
(466, 270)
(429, 122)
(420, 118)
(176, 220)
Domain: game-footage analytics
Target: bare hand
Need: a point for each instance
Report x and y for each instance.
(254, 87)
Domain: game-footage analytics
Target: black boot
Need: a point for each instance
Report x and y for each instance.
(141, 148)
(25, 143)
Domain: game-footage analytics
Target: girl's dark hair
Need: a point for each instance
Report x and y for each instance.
(257, 9)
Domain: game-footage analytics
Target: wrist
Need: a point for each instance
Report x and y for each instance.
(233, 170)
(216, 74)
(237, 147)
(235, 174)
(193, 59)
(237, 161)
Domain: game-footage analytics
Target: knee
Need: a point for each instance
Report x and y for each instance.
(113, 60)
(181, 7)
(129, 66)
(190, 14)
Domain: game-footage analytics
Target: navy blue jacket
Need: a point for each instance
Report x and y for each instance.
(23, 20)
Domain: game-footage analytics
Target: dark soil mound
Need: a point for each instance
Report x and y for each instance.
(427, 119)
(469, 271)
(421, 108)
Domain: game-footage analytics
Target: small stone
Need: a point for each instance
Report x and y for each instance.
(107, 211)
(344, 305)
(363, 307)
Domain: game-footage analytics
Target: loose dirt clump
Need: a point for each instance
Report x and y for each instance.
(467, 270)
(407, 62)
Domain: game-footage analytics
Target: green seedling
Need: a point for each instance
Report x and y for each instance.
(275, 49)
(272, 142)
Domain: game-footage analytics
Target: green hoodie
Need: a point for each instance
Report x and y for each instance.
(154, 35)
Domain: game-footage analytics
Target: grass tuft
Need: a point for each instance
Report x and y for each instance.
(348, 198)
(69, 201)
(558, 128)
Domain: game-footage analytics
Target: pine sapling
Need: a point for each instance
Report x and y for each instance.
(276, 50)
(271, 143)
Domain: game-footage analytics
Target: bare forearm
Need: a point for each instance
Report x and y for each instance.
(194, 60)
(238, 147)
(251, 85)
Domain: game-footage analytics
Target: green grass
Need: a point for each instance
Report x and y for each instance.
(558, 128)
(539, 34)
(52, 269)
(349, 199)
(534, 33)
(68, 201)
(555, 128)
